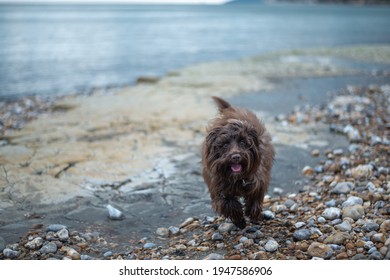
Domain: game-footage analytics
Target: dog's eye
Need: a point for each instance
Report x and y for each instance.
(225, 145)
(243, 143)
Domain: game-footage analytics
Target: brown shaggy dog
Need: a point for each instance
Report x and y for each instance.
(237, 158)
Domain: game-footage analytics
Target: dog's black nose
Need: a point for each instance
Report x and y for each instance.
(236, 158)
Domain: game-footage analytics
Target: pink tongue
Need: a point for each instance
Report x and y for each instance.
(236, 167)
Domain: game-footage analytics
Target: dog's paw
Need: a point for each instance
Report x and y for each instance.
(240, 224)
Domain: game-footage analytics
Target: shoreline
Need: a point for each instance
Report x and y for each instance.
(137, 150)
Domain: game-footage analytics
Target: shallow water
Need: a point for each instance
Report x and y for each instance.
(59, 49)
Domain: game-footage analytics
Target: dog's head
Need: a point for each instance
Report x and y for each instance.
(233, 149)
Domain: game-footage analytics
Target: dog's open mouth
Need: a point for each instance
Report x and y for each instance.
(236, 167)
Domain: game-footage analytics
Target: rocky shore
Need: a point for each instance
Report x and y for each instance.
(138, 154)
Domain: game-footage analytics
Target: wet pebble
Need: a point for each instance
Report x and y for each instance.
(331, 213)
(63, 234)
(114, 213)
(268, 215)
(174, 231)
(225, 227)
(149, 245)
(217, 237)
(55, 227)
(337, 238)
(343, 188)
(299, 224)
(34, 244)
(50, 247)
(271, 246)
(354, 212)
(370, 226)
(320, 250)
(344, 226)
(352, 200)
(302, 234)
(213, 256)
(10, 254)
(162, 231)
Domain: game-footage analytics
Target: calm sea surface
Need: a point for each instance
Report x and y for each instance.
(62, 49)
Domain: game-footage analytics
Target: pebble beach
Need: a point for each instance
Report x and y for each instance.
(341, 209)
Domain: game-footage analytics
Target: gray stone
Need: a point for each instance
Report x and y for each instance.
(214, 256)
(149, 245)
(302, 234)
(271, 246)
(173, 231)
(370, 226)
(378, 237)
(372, 250)
(217, 236)
(321, 220)
(331, 203)
(320, 250)
(376, 256)
(352, 200)
(243, 239)
(225, 227)
(359, 257)
(10, 254)
(289, 202)
(355, 212)
(48, 248)
(162, 231)
(55, 227)
(34, 244)
(338, 238)
(63, 234)
(344, 226)
(368, 245)
(86, 257)
(299, 224)
(343, 188)
(268, 215)
(187, 222)
(336, 222)
(108, 254)
(278, 191)
(338, 152)
(114, 213)
(331, 213)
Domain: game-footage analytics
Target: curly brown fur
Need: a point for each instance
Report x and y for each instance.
(237, 158)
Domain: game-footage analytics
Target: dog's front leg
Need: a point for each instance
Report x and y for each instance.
(231, 208)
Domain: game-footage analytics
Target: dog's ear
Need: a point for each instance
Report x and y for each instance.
(222, 104)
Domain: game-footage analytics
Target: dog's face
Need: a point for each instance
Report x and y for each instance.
(233, 149)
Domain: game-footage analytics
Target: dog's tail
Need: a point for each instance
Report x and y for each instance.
(222, 104)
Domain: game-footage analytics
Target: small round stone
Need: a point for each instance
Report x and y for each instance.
(299, 224)
(55, 227)
(50, 247)
(302, 234)
(343, 188)
(213, 256)
(320, 250)
(331, 213)
(34, 244)
(268, 215)
(225, 227)
(149, 245)
(10, 254)
(173, 231)
(271, 246)
(63, 234)
(352, 200)
(162, 231)
(217, 237)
